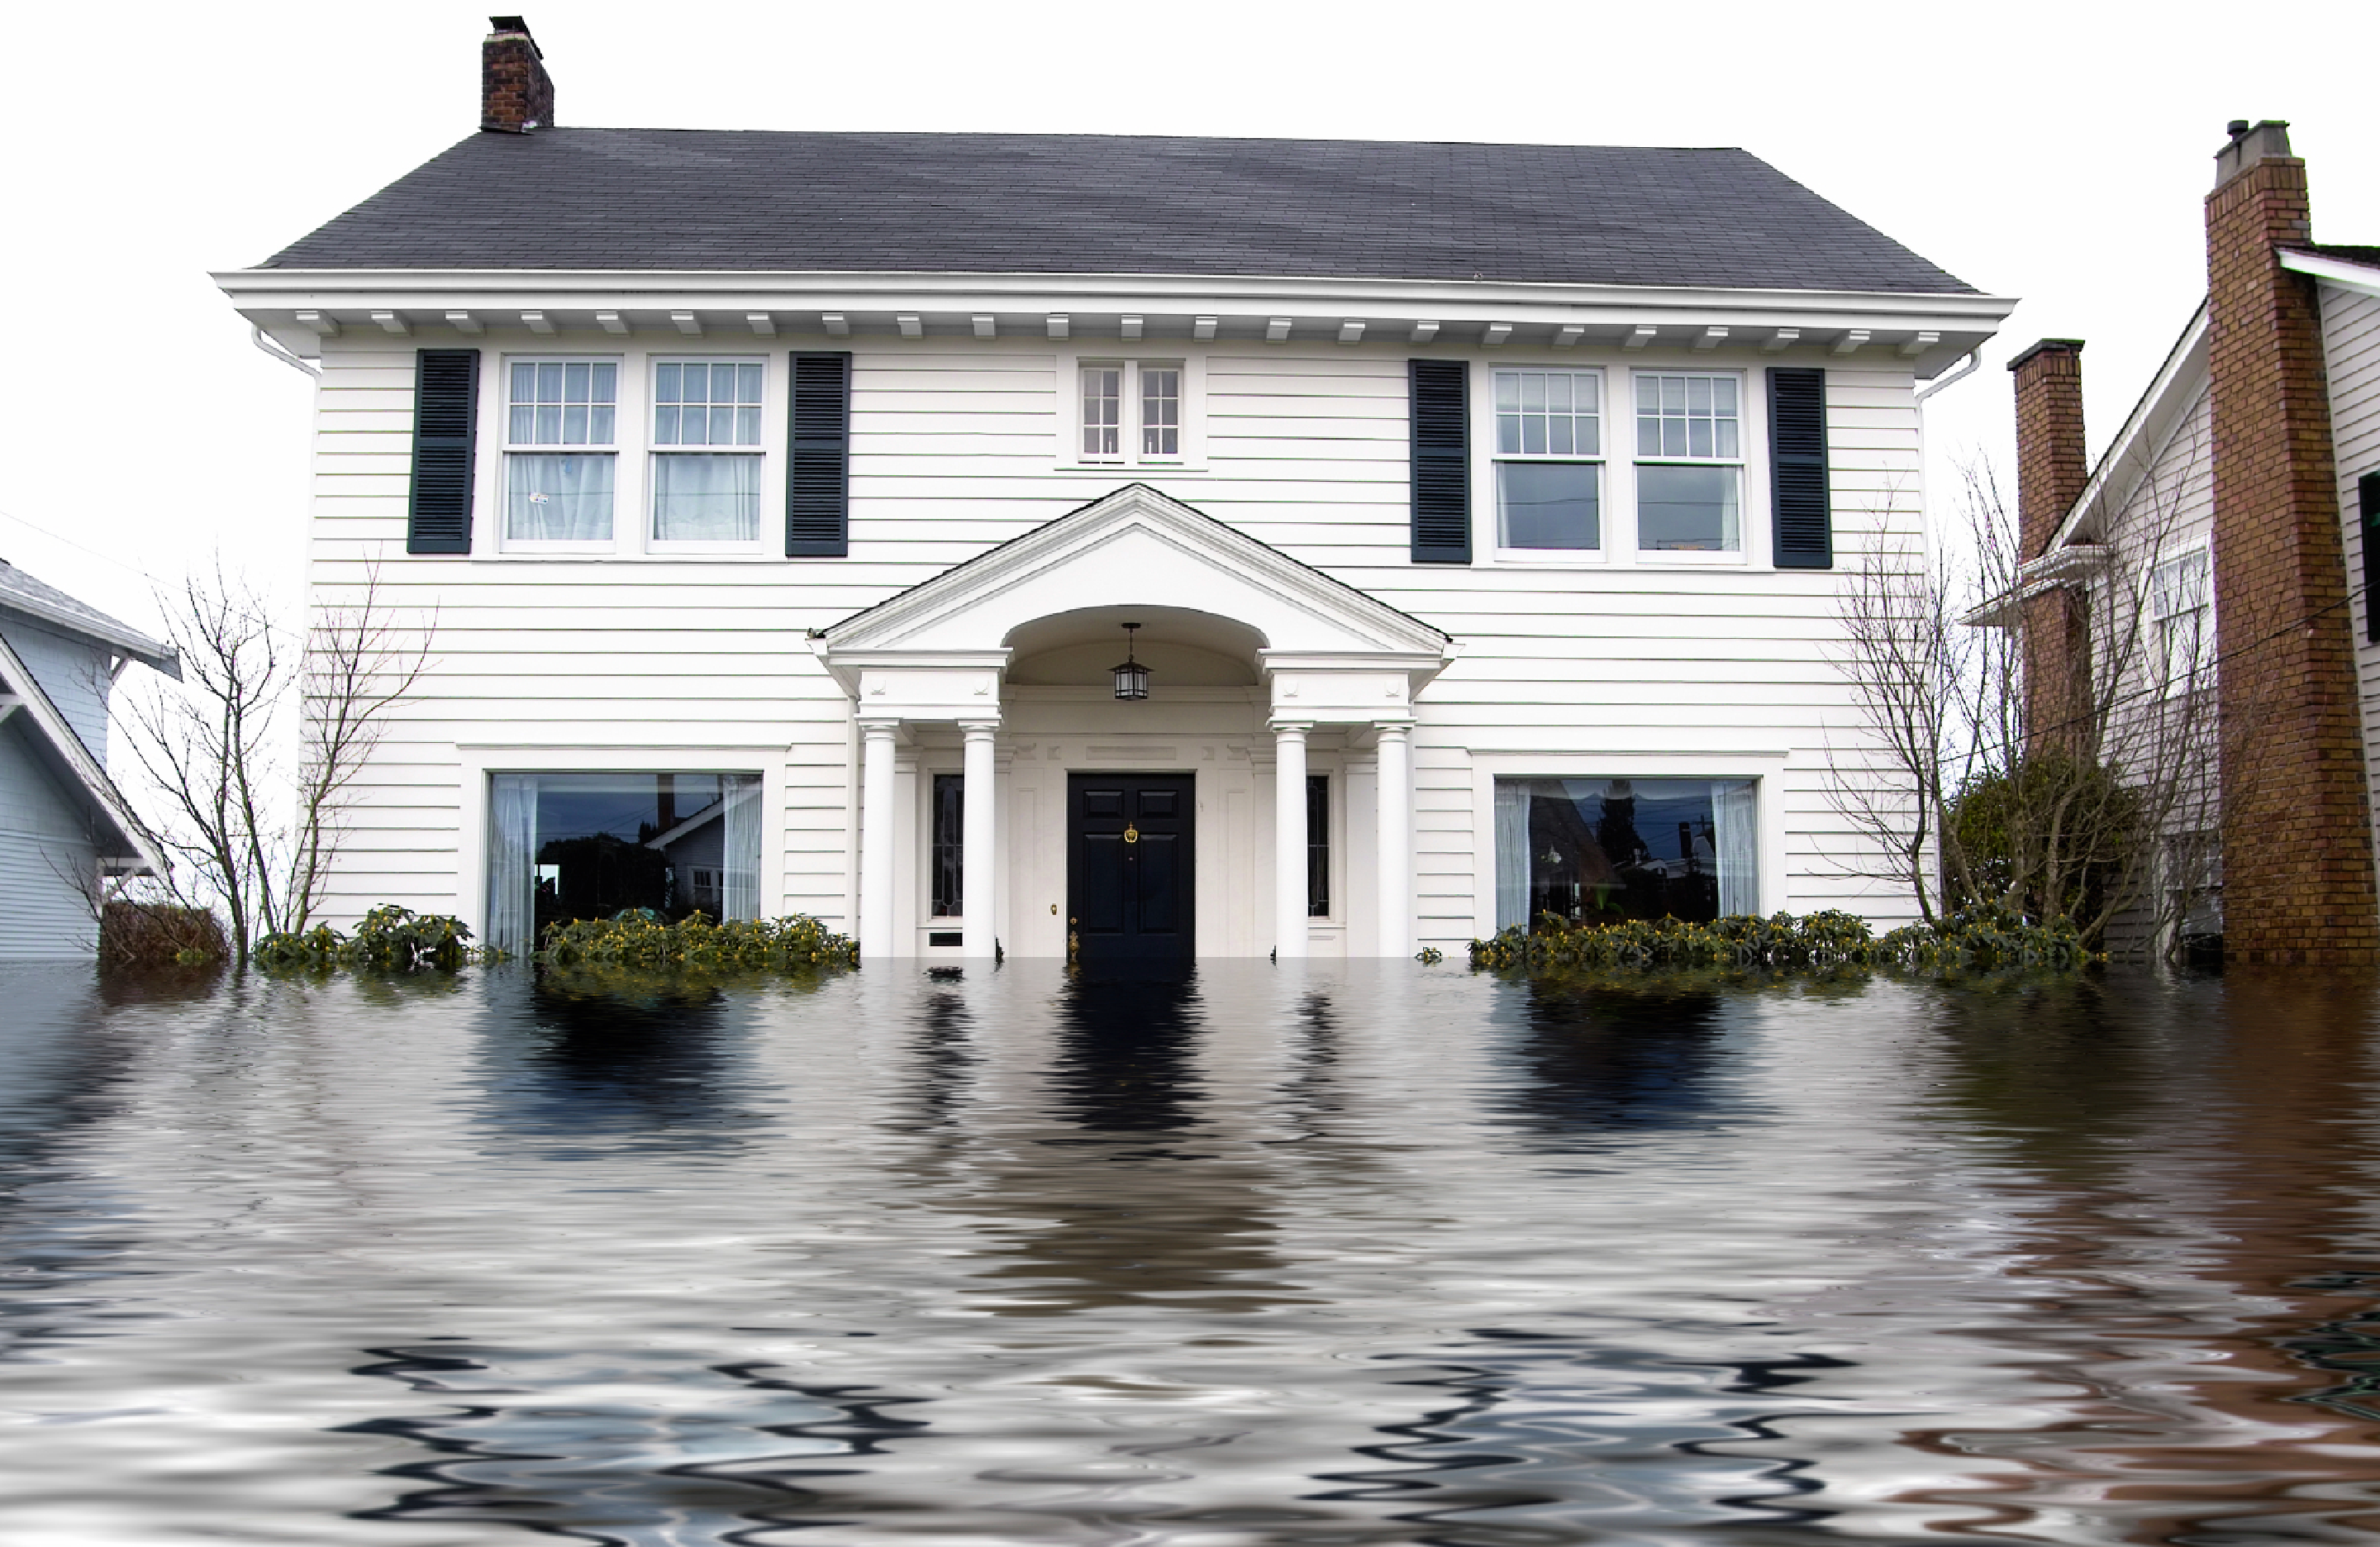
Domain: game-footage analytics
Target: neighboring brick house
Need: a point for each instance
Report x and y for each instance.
(2249, 478)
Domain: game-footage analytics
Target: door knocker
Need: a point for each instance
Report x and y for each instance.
(1131, 834)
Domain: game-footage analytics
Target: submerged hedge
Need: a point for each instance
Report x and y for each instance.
(640, 938)
(388, 936)
(1980, 938)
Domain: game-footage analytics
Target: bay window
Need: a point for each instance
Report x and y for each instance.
(1548, 461)
(559, 450)
(1602, 850)
(1689, 463)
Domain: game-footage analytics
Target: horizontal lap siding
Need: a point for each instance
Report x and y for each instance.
(2351, 325)
(44, 845)
(953, 452)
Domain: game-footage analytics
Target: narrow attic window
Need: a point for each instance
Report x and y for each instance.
(1131, 411)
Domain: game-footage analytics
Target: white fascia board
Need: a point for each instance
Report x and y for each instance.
(2126, 461)
(2342, 271)
(270, 297)
(36, 706)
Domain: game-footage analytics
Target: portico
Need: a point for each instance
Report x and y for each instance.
(1266, 674)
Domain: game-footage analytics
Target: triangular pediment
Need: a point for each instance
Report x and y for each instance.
(1135, 547)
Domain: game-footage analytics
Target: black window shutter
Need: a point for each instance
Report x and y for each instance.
(2367, 494)
(818, 468)
(1440, 391)
(1797, 470)
(445, 425)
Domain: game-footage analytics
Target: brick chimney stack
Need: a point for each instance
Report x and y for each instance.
(2050, 472)
(2297, 836)
(516, 94)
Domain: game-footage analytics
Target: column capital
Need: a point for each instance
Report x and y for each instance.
(879, 724)
(1290, 727)
(974, 724)
(1400, 726)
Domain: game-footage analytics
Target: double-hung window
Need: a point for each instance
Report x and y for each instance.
(1130, 411)
(706, 457)
(1689, 463)
(1550, 460)
(2181, 608)
(561, 452)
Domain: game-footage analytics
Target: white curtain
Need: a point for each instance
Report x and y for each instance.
(558, 499)
(1735, 810)
(706, 497)
(1512, 852)
(740, 860)
(512, 854)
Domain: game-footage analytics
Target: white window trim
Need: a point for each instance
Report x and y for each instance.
(2168, 686)
(633, 448)
(1766, 768)
(1751, 515)
(772, 470)
(481, 760)
(1559, 559)
(1070, 457)
(496, 397)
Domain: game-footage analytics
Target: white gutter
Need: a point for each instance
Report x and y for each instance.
(1973, 363)
(266, 342)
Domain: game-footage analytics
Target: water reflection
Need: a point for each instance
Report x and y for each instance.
(1261, 1257)
(1603, 1060)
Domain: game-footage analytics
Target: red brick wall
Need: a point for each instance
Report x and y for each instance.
(2050, 472)
(516, 94)
(2297, 852)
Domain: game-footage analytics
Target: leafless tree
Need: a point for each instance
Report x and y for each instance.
(2043, 735)
(213, 748)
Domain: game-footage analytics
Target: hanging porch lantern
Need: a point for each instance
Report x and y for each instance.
(1132, 677)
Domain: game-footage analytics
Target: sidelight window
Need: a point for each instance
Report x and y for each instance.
(1317, 846)
(1602, 850)
(949, 844)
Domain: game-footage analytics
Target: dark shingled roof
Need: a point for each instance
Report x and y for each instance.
(1032, 204)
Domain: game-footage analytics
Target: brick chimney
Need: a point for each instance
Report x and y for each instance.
(516, 94)
(2297, 836)
(2050, 472)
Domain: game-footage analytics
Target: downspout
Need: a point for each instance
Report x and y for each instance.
(1973, 363)
(263, 341)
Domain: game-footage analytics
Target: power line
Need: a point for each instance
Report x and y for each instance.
(104, 558)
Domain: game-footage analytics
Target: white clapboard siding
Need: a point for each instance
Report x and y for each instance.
(2350, 330)
(956, 448)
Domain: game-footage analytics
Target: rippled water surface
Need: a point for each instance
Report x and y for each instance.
(1379, 1255)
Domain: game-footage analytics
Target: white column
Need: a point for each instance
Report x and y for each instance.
(977, 851)
(875, 823)
(1289, 839)
(1395, 839)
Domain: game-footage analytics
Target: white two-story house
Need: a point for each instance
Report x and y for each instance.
(1471, 518)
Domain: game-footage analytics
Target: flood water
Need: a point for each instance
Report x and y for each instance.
(1381, 1255)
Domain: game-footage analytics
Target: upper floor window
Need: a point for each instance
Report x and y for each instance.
(1131, 411)
(1548, 459)
(2181, 608)
(1689, 463)
(560, 456)
(706, 459)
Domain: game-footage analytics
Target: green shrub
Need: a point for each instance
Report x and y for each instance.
(638, 937)
(1977, 938)
(389, 936)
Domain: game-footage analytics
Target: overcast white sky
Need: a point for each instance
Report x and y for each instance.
(2054, 151)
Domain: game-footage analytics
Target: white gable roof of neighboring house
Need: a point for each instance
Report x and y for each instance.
(136, 851)
(2170, 395)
